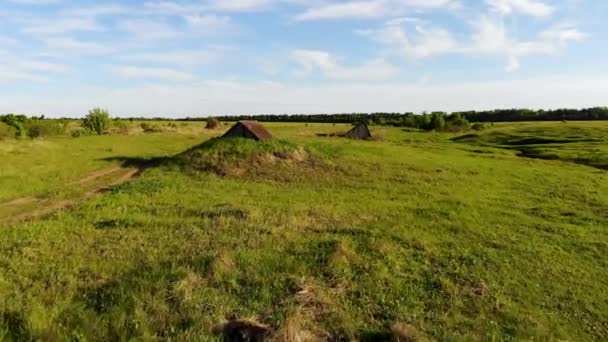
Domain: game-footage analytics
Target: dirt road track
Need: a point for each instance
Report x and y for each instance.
(31, 207)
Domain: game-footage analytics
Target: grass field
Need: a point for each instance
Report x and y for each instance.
(492, 235)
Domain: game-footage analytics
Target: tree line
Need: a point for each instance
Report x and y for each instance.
(21, 125)
(411, 119)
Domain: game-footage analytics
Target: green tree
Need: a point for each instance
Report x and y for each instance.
(424, 121)
(457, 122)
(437, 122)
(98, 120)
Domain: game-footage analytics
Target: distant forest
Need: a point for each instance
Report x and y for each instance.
(423, 120)
(412, 120)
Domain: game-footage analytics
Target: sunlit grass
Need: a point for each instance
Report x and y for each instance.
(450, 240)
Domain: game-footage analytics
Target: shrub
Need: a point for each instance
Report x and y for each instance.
(212, 123)
(456, 123)
(437, 123)
(79, 132)
(37, 131)
(18, 122)
(41, 128)
(7, 132)
(479, 126)
(98, 120)
(122, 127)
(150, 128)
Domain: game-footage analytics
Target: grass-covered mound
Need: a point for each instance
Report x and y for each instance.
(238, 157)
(586, 146)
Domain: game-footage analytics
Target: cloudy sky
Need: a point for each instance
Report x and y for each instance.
(199, 57)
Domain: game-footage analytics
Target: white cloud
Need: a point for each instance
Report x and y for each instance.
(240, 5)
(310, 59)
(147, 29)
(359, 9)
(35, 2)
(151, 73)
(529, 7)
(181, 8)
(207, 21)
(62, 46)
(41, 66)
(178, 57)
(324, 62)
(96, 11)
(372, 8)
(421, 41)
(67, 20)
(489, 37)
(60, 25)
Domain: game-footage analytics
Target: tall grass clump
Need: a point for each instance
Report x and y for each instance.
(98, 121)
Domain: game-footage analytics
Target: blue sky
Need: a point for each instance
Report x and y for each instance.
(178, 58)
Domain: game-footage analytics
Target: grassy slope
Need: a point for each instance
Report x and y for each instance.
(584, 143)
(414, 229)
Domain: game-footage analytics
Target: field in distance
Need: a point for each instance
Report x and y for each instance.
(492, 235)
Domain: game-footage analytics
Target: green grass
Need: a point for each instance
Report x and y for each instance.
(459, 240)
(33, 166)
(582, 143)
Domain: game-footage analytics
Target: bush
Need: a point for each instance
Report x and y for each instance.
(150, 128)
(212, 123)
(478, 126)
(98, 121)
(7, 132)
(37, 131)
(437, 123)
(122, 127)
(43, 128)
(456, 123)
(18, 122)
(77, 133)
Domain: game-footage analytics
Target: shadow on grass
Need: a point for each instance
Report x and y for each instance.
(537, 147)
(138, 162)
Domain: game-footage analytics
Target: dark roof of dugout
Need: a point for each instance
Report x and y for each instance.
(255, 128)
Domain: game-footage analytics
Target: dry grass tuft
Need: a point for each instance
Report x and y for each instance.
(222, 264)
(404, 332)
(377, 137)
(183, 288)
(293, 330)
(343, 254)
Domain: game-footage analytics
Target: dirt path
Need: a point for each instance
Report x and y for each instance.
(95, 175)
(28, 208)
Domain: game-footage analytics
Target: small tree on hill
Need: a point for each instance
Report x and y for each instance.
(212, 123)
(98, 120)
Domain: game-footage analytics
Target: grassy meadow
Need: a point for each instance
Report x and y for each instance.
(498, 235)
